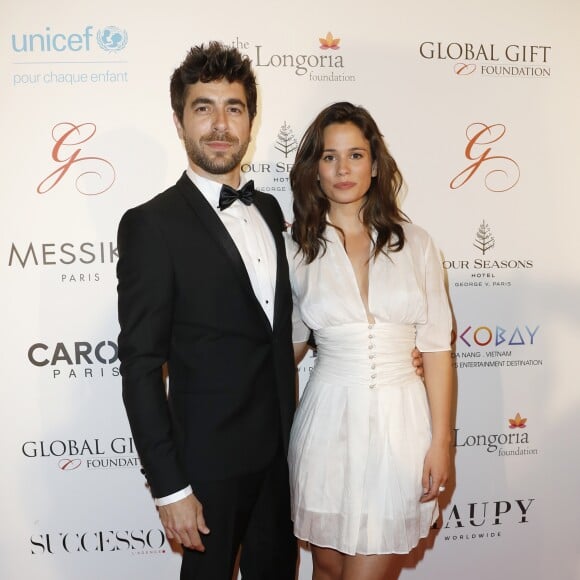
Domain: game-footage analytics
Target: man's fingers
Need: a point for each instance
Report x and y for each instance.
(201, 525)
(183, 521)
(192, 540)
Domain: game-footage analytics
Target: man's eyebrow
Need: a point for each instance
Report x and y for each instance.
(234, 101)
(210, 101)
(202, 101)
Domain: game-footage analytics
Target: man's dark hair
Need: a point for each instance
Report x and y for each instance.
(213, 62)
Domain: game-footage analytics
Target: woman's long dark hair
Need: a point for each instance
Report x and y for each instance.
(379, 210)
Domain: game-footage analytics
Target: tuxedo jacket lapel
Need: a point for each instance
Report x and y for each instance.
(282, 279)
(219, 234)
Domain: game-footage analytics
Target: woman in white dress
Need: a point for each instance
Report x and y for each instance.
(370, 445)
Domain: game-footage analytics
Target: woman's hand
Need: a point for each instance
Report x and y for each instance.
(435, 471)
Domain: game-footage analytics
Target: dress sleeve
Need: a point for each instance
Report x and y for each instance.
(435, 334)
(300, 332)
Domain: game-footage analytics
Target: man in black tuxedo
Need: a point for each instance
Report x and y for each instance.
(203, 287)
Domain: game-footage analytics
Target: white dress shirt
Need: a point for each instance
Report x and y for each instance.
(256, 245)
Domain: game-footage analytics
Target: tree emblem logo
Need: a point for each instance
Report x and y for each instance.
(484, 240)
(285, 141)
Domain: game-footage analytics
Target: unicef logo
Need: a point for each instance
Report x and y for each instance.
(112, 39)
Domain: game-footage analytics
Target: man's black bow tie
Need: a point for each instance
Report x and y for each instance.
(228, 195)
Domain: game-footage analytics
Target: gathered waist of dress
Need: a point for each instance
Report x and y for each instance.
(370, 355)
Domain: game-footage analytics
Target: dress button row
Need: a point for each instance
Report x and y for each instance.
(373, 376)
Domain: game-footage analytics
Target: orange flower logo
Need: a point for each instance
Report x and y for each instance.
(329, 42)
(518, 422)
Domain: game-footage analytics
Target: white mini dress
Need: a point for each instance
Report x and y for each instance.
(362, 427)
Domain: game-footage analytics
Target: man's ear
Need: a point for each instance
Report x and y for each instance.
(178, 126)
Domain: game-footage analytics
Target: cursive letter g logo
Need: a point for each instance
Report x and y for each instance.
(96, 175)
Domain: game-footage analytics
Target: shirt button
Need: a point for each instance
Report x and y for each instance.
(371, 347)
(372, 386)
(373, 366)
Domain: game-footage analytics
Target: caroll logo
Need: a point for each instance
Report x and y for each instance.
(78, 359)
(110, 39)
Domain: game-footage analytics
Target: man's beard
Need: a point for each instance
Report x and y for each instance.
(221, 162)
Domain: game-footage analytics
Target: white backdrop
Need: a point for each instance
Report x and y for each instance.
(479, 105)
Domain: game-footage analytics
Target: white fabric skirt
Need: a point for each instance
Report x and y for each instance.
(358, 442)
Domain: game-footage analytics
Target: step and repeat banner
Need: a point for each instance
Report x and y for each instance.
(479, 105)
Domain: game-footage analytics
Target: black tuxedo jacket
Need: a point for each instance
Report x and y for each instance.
(185, 299)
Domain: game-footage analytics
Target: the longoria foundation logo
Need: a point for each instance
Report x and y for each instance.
(485, 270)
(464, 59)
(324, 61)
(513, 442)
